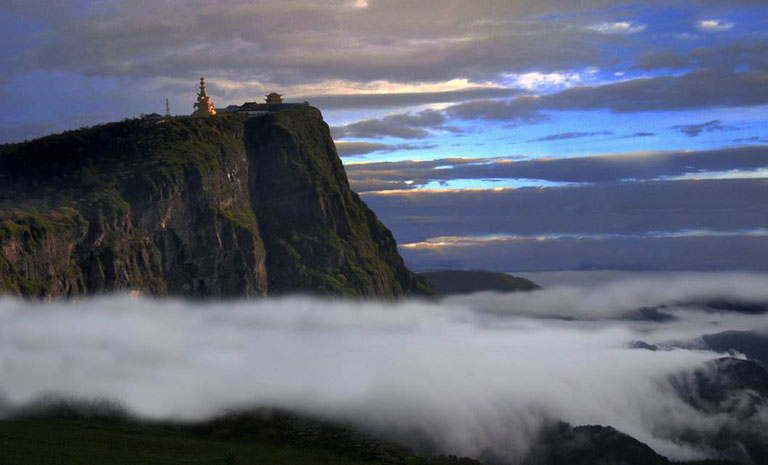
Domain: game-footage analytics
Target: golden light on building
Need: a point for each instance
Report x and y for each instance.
(274, 99)
(204, 105)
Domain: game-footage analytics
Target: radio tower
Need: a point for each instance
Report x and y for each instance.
(167, 109)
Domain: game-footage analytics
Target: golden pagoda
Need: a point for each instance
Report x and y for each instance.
(204, 104)
(274, 98)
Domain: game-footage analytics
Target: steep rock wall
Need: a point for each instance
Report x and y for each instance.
(221, 206)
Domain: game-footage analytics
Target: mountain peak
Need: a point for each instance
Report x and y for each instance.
(228, 205)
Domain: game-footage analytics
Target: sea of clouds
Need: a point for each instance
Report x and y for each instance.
(473, 375)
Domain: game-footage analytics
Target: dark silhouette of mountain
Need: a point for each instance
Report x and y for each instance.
(209, 206)
(453, 282)
(750, 343)
(659, 313)
(563, 444)
(736, 391)
(726, 305)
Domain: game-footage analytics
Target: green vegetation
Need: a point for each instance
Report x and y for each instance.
(93, 434)
(242, 218)
(219, 206)
(49, 442)
(86, 204)
(100, 433)
(453, 282)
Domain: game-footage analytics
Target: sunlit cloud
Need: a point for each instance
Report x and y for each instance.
(761, 173)
(537, 81)
(490, 184)
(473, 241)
(252, 89)
(734, 163)
(715, 25)
(619, 27)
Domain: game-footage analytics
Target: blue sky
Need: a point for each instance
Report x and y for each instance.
(601, 81)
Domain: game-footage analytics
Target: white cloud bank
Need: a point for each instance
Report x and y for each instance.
(470, 380)
(619, 27)
(715, 25)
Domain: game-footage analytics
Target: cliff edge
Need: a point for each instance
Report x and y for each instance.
(221, 206)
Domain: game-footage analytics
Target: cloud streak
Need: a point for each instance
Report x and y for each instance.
(570, 135)
(348, 149)
(643, 166)
(403, 126)
(715, 25)
(619, 27)
(733, 250)
(694, 130)
(690, 91)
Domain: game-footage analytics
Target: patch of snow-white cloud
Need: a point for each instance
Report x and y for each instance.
(618, 27)
(715, 25)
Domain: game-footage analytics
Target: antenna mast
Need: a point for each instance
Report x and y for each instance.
(167, 109)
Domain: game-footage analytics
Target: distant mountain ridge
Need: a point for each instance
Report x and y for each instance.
(456, 282)
(208, 206)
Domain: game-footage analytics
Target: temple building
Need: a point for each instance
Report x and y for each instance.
(204, 105)
(274, 98)
(274, 102)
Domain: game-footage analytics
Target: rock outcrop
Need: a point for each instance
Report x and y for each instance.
(216, 206)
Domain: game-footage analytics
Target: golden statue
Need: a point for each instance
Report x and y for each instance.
(204, 104)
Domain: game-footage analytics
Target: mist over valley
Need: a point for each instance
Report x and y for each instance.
(482, 376)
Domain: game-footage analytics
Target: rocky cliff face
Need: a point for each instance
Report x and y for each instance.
(220, 206)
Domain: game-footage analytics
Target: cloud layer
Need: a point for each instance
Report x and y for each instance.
(342, 54)
(473, 376)
(652, 166)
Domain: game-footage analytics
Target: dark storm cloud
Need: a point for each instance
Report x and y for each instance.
(404, 126)
(748, 52)
(394, 40)
(571, 135)
(634, 208)
(595, 169)
(273, 44)
(347, 149)
(694, 130)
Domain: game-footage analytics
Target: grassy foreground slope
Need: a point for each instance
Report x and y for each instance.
(98, 433)
(47, 442)
(66, 435)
